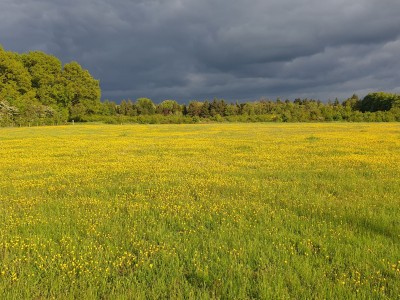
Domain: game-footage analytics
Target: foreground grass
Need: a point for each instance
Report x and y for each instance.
(199, 211)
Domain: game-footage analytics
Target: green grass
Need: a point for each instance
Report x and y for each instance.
(231, 211)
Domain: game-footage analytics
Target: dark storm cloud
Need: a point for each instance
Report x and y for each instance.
(235, 49)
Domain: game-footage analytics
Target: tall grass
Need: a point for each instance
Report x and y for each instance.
(231, 211)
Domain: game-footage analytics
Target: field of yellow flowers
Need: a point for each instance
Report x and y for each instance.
(231, 211)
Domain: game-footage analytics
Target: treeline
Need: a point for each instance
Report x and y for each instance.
(375, 107)
(35, 89)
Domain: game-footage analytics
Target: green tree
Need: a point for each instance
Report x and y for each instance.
(169, 107)
(248, 109)
(379, 101)
(79, 87)
(194, 108)
(145, 106)
(15, 79)
(45, 71)
(37, 85)
(8, 113)
(218, 106)
(205, 110)
(231, 110)
(108, 108)
(353, 102)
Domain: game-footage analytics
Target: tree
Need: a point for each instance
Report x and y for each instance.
(353, 102)
(231, 110)
(194, 108)
(127, 108)
(8, 113)
(145, 106)
(45, 71)
(205, 110)
(218, 106)
(79, 87)
(108, 108)
(37, 85)
(15, 80)
(169, 107)
(379, 101)
(248, 109)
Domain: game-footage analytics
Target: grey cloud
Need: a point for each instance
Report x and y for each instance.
(235, 49)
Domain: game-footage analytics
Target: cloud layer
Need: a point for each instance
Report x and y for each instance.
(234, 49)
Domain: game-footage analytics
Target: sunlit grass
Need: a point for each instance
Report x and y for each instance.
(197, 211)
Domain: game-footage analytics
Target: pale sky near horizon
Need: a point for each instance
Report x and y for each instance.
(231, 49)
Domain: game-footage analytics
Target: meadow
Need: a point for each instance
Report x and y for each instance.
(223, 211)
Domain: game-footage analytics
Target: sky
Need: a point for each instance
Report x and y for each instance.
(202, 49)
